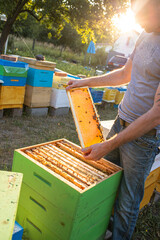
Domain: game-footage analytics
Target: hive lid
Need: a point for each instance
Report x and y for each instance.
(85, 116)
(35, 62)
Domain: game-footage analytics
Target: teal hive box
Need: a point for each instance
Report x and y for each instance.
(39, 77)
(60, 204)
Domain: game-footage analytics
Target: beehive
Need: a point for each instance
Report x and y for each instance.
(97, 95)
(11, 97)
(13, 73)
(59, 98)
(151, 183)
(40, 73)
(64, 196)
(60, 80)
(109, 94)
(85, 116)
(37, 96)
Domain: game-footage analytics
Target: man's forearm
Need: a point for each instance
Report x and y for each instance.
(114, 78)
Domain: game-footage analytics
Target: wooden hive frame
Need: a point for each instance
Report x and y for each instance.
(101, 167)
(93, 125)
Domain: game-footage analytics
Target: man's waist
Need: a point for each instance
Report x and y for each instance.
(152, 132)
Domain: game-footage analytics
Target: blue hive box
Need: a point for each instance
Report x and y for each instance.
(39, 77)
(13, 81)
(97, 95)
(17, 232)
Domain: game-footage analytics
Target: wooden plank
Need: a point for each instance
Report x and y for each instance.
(37, 63)
(37, 96)
(9, 196)
(43, 68)
(85, 116)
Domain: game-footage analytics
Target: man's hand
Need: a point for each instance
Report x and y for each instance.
(96, 151)
(75, 84)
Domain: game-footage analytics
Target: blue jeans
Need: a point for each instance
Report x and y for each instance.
(136, 159)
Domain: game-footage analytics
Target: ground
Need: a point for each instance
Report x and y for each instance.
(25, 131)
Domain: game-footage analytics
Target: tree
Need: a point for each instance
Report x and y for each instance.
(84, 15)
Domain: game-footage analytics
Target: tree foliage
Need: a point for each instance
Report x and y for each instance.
(89, 18)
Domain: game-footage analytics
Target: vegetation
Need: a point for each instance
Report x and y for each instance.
(89, 18)
(69, 61)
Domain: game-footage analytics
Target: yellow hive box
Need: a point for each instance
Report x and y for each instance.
(109, 95)
(60, 80)
(11, 97)
(119, 96)
(150, 184)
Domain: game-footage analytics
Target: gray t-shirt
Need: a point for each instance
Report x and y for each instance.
(145, 78)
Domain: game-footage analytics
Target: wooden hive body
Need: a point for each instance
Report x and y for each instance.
(37, 96)
(52, 207)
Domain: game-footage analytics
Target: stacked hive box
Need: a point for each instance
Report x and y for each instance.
(97, 95)
(39, 83)
(63, 196)
(152, 182)
(59, 98)
(109, 94)
(12, 90)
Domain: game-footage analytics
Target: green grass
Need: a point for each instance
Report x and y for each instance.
(26, 131)
(53, 54)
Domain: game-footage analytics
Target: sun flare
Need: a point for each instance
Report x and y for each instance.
(126, 22)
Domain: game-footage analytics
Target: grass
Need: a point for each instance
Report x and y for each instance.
(26, 131)
(52, 53)
(148, 224)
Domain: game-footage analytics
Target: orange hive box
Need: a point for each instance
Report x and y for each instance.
(85, 116)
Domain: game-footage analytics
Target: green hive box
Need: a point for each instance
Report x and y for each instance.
(54, 208)
(13, 71)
